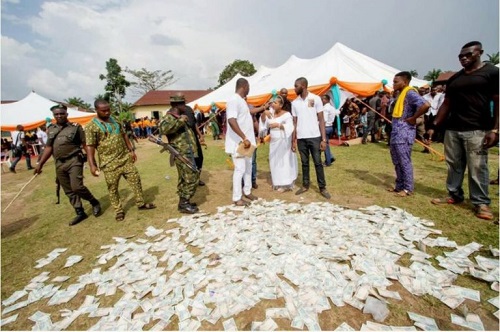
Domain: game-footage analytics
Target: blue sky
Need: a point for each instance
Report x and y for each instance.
(59, 48)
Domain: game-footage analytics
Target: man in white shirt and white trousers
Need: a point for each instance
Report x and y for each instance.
(240, 129)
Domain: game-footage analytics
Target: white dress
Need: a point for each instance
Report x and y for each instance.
(282, 161)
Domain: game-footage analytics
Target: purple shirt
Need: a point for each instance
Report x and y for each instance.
(402, 131)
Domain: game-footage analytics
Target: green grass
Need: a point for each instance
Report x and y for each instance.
(33, 226)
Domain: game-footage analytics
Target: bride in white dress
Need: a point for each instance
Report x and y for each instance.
(282, 160)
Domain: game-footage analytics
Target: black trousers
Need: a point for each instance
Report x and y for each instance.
(70, 176)
(308, 146)
(198, 160)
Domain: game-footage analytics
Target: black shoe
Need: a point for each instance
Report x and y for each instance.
(12, 170)
(255, 185)
(80, 216)
(186, 207)
(29, 169)
(201, 183)
(301, 191)
(425, 151)
(96, 209)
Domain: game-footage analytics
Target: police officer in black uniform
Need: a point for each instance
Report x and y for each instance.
(65, 142)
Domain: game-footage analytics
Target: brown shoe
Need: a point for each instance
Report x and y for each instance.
(251, 197)
(241, 203)
(483, 211)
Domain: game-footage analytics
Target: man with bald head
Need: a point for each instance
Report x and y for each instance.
(470, 115)
(287, 104)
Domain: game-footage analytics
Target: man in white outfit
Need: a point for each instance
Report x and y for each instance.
(240, 129)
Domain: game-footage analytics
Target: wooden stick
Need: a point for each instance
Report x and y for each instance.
(440, 155)
(19, 193)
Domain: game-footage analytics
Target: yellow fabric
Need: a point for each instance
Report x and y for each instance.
(400, 103)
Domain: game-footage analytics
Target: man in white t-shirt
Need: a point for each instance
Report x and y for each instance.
(329, 113)
(19, 141)
(240, 130)
(309, 135)
(42, 140)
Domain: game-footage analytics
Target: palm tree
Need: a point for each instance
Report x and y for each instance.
(414, 73)
(78, 102)
(432, 75)
(493, 58)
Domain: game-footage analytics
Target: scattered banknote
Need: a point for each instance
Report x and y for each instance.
(72, 260)
(212, 267)
(425, 323)
(471, 321)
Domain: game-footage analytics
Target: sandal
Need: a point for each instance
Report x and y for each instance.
(241, 203)
(445, 200)
(147, 206)
(120, 216)
(494, 182)
(483, 211)
(393, 190)
(403, 193)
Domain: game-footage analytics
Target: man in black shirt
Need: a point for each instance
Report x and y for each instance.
(287, 104)
(470, 114)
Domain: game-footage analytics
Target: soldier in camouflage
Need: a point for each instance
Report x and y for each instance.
(65, 141)
(181, 137)
(116, 157)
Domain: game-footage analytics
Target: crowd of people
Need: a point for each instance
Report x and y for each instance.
(464, 118)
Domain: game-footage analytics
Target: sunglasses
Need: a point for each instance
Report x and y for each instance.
(467, 55)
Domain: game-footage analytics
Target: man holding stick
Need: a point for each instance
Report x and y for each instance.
(65, 141)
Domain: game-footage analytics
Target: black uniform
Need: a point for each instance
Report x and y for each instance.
(66, 142)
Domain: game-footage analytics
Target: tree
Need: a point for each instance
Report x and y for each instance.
(414, 73)
(432, 75)
(115, 83)
(243, 67)
(78, 102)
(493, 58)
(145, 80)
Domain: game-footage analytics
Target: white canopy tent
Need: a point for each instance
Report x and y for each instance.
(32, 112)
(352, 71)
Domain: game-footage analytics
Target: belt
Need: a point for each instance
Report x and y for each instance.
(67, 158)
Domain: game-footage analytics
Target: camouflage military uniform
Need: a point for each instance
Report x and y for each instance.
(182, 138)
(66, 142)
(114, 160)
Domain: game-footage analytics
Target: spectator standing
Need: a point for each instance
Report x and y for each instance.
(19, 149)
(329, 114)
(240, 129)
(42, 140)
(287, 104)
(471, 128)
(408, 108)
(309, 134)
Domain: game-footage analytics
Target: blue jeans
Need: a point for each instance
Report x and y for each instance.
(306, 146)
(465, 149)
(328, 154)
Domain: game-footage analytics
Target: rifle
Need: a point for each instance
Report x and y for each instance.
(174, 154)
(58, 191)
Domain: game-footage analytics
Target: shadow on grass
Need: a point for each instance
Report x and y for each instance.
(127, 195)
(17, 226)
